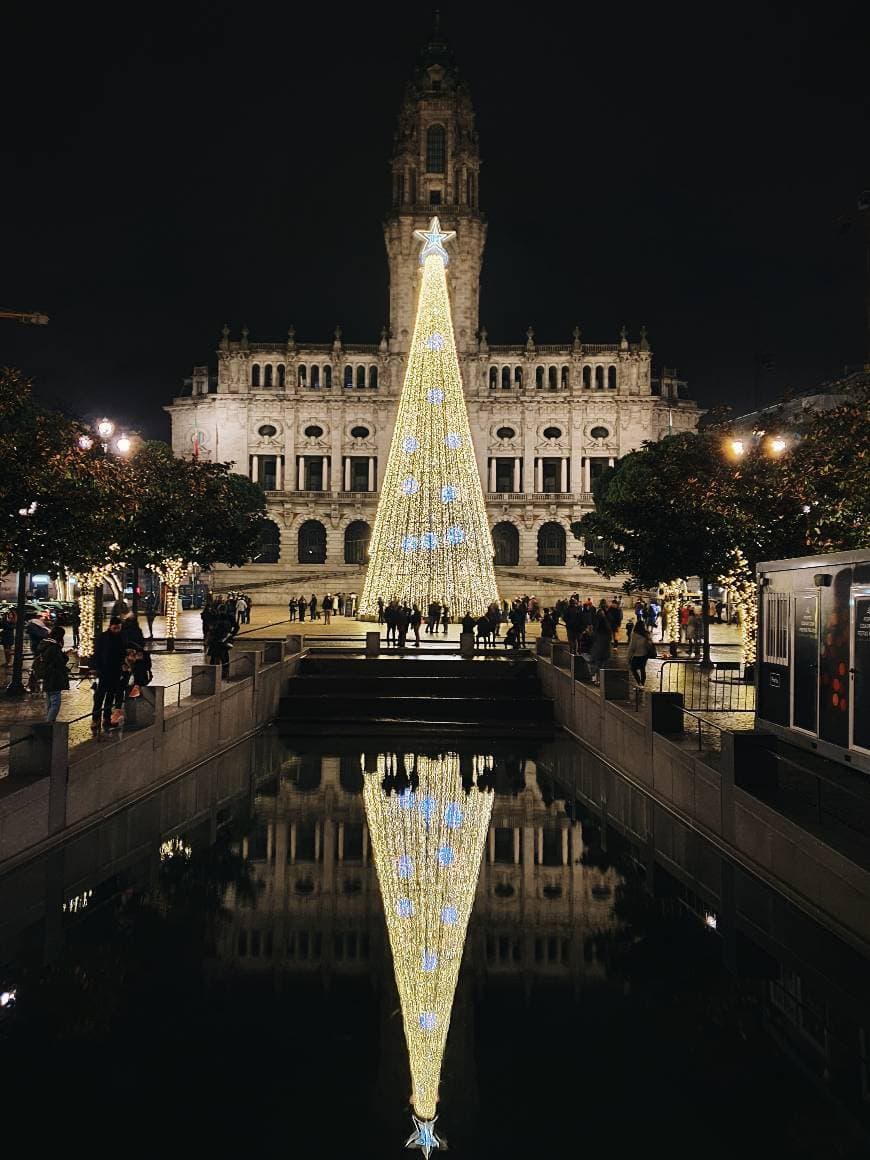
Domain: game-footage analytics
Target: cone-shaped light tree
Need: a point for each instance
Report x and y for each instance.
(431, 540)
(428, 818)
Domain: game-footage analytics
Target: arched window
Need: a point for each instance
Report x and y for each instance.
(268, 543)
(267, 375)
(565, 378)
(315, 378)
(436, 149)
(611, 378)
(373, 378)
(282, 377)
(360, 377)
(327, 377)
(506, 541)
(356, 542)
(255, 374)
(303, 374)
(312, 543)
(493, 378)
(518, 376)
(599, 378)
(551, 378)
(551, 545)
(587, 377)
(505, 378)
(539, 378)
(469, 191)
(348, 377)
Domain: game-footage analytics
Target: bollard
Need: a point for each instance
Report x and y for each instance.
(205, 680)
(466, 644)
(373, 644)
(560, 654)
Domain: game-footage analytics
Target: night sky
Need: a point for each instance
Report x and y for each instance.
(694, 168)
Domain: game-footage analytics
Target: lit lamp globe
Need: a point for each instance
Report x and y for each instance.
(737, 446)
(85, 442)
(105, 428)
(123, 445)
(778, 445)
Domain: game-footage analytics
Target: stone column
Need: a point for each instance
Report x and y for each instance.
(516, 845)
(292, 842)
(610, 461)
(564, 479)
(539, 474)
(270, 840)
(318, 842)
(325, 462)
(279, 473)
(565, 847)
(517, 468)
(490, 483)
(587, 474)
(301, 475)
(255, 468)
(341, 841)
(280, 858)
(373, 483)
(328, 852)
(540, 837)
(491, 845)
(347, 473)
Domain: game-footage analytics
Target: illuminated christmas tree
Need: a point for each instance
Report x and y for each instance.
(427, 839)
(431, 540)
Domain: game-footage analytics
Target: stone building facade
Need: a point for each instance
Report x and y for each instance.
(312, 423)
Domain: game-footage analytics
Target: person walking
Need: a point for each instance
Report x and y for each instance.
(7, 635)
(614, 616)
(120, 608)
(391, 620)
(53, 671)
(445, 616)
(291, 608)
(75, 621)
(150, 613)
(218, 649)
(640, 648)
(416, 621)
(380, 610)
(37, 630)
(693, 633)
(339, 604)
(602, 638)
(433, 617)
(109, 655)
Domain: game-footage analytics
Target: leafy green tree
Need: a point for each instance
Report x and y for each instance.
(57, 495)
(182, 510)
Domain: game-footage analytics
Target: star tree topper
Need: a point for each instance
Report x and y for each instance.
(434, 240)
(423, 1137)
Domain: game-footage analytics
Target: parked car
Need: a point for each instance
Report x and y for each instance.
(31, 608)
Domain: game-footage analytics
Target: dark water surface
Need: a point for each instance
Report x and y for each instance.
(210, 969)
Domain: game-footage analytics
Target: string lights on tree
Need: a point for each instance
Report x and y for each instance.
(171, 572)
(673, 593)
(739, 581)
(428, 828)
(431, 540)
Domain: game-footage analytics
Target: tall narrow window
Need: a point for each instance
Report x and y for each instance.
(518, 376)
(303, 375)
(493, 378)
(348, 377)
(611, 378)
(505, 378)
(315, 378)
(587, 377)
(599, 378)
(267, 375)
(436, 149)
(327, 377)
(255, 375)
(551, 378)
(413, 187)
(360, 377)
(468, 188)
(565, 378)
(373, 378)
(282, 376)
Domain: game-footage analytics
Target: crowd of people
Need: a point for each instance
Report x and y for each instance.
(341, 603)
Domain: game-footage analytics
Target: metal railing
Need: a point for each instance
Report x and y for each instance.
(179, 685)
(721, 689)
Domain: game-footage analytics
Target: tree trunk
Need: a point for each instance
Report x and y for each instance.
(15, 688)
(135, 596)
(706, 663)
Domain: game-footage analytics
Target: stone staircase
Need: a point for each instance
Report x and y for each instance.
(432, 689)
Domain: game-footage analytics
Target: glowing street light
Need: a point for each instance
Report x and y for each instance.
(778, 445)
(123, 445)
(738, 446)
(105, 428)
(85, 442)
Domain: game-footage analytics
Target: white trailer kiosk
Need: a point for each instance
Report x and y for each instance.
(813, 675)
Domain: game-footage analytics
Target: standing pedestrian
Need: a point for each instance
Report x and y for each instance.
(291, 608)
(7, 635)
(602, 638)
(380, 610)
(327, 608)
(151, 612)
(53, 671)
(312, 607)
(445, 616)
(302, 607)
(416, 621)
(109, 657)
(640, 648)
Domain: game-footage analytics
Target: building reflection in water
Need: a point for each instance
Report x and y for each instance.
(440, 834)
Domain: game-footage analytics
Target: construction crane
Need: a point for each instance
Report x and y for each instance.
(31, 317)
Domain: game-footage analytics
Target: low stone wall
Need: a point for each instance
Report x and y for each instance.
(51, 788)
(646, 747)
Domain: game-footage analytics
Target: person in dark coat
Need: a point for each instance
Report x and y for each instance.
(602, 638)
(150, 613)
(131, 631)
(110, 652)
(53, 671)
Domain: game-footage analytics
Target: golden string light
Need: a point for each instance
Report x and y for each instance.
(171, 572)
(673, 593)
(89, 583)
(739, 581)
(431, 539)
(427, 843)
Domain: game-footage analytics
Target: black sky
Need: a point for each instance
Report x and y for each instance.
(692, 168)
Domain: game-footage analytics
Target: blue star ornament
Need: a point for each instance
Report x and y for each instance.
(434, 239)
(423, 1137)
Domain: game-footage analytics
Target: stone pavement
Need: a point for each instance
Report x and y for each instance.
(266, 621)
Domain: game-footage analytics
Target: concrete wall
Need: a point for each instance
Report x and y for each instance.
(51, 788)
(643, 746)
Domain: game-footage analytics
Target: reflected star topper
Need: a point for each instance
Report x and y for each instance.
(434, 239)
(423, 1137)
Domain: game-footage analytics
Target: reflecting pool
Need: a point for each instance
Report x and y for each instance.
(338, 948)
